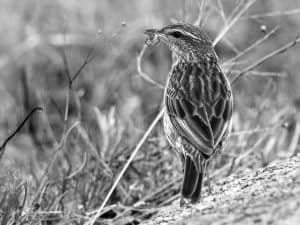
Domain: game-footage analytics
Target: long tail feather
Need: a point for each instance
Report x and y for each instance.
(190, 179)
(197, 192)
(194, 172)
(202, 172)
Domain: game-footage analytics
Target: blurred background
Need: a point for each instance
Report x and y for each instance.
(80, 57)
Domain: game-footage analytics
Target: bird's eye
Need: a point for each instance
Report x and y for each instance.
(176, 34)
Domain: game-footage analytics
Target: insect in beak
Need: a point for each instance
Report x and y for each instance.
(152, 37)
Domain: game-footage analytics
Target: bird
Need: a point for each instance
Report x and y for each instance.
(198, 103)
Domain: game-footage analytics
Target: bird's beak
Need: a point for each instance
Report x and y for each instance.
(150, 32)
(152, 36)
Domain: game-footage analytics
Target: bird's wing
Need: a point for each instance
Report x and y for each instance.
(199, 104)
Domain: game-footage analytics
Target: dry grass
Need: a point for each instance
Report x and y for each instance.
(89, 156)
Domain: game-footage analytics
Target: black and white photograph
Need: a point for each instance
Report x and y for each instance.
(149, 112)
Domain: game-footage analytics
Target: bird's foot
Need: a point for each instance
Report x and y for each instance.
(184, 203)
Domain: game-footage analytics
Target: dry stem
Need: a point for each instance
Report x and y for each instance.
(3, 145)
(266, 57)
(145, 76)
(135, 151)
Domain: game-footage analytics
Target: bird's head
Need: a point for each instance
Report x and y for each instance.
(186, 41)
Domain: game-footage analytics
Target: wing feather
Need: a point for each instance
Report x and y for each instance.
(199, 103)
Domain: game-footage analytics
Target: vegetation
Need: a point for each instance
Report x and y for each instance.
(85, 64)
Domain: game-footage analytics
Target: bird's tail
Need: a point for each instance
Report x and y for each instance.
(193, 179)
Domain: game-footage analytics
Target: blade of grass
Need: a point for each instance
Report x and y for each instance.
(135, 151)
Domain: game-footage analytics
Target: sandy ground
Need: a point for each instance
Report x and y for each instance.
(270, 195)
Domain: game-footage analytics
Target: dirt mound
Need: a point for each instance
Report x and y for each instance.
(270, 195)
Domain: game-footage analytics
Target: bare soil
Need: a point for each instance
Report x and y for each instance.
(270, 195)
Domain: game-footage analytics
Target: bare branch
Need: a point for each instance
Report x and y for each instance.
(266, 57)
(231, 45)
(221, 10)
(273, 14)
(258, 73)
(70, 82)
(205, 16)
(145, 76)
(64, 56)
(235, 10)
(66, 65)
(87, 60)
(232, 21)
(259, 41)
(3, 145)
(201, 6)
(252, 131)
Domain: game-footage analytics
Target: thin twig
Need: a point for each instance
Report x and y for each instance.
(258, 73)
(273, 14)
(266, 57)
(140, 71)
(231, 22)
(183, 10)
(3, 145)
(71, 81)
(66, 65)
(253, 131)
(79, 169)
(135, 151)
(221, 10)
(205, 16)
(170, 200)
(201, 6)
(259, 41)
(87, 60)
(67, 72)
(235, 10)
(231, 45)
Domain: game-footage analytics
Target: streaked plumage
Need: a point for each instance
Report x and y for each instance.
(198, 102)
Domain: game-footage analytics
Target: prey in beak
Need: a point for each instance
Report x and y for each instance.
(153, 36)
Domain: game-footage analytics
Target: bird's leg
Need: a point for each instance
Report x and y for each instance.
(209, 183)
(182, 158)
(206, 174)
(182, 202)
